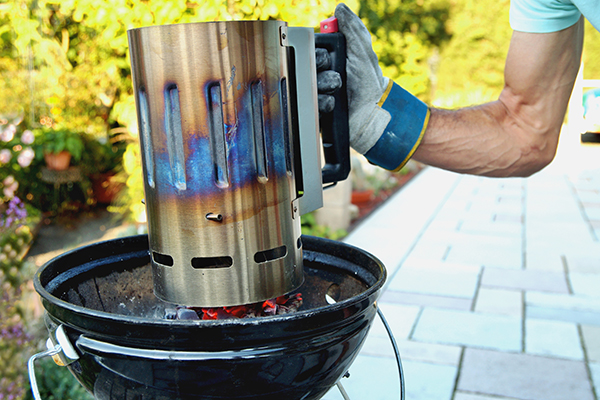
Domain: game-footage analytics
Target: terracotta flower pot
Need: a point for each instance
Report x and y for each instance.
(58, 161)
(105, 187)
(362, 196)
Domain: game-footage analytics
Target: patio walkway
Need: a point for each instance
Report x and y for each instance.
(493, 289)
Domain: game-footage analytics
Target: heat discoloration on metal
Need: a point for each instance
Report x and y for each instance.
(217, 141)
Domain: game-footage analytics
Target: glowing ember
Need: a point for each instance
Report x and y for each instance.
(278, 306)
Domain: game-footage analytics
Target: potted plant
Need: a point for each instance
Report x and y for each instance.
(59, 146)
(103, 159)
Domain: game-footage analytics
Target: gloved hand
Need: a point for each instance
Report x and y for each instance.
(386, 122)
(328, 81)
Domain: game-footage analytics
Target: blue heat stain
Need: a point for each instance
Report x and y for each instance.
(239, 142)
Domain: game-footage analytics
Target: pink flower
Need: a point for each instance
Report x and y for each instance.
(9, 133)
(10, 186)
(5, 156)
(27, 137)
(25, 157)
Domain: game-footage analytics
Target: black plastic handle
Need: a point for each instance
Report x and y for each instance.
(334, 125)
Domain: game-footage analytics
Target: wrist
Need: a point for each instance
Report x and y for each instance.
(402, 135)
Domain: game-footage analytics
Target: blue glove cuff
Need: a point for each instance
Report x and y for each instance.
(404, 132)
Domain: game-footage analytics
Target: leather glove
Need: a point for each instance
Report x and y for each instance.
(328, 81)
(386, 122)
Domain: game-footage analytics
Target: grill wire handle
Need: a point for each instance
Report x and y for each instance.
(58, 349)
(396, 353)
(31, 368)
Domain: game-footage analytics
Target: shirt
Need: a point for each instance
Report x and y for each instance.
(543, 16)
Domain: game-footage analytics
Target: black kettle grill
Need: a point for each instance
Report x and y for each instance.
(109, 328)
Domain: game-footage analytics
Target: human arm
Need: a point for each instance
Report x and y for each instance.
(517, 135)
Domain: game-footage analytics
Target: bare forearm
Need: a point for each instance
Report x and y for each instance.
(518, 134)
(485, 140)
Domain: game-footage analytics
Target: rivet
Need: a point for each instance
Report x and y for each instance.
(214, 217)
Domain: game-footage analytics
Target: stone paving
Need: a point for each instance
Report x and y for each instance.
(493, 289)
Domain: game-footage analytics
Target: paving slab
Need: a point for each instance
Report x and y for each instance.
(430, 353)
(436, 279)
(585, 284)
(543, 258)
(595, 374)
(374, 378)
(470, 396)
(425, 381)
(561, 314)
(454, 327)
(592, 210)
(563, 301)
(377, 345)
(425, 250)
(584, 262)
(553, 338)
(491, 225)
(457, 238)
(523, 376)
(400, 318)
(591, 340)
(426, 300)
(489, 251)
(537, 280)
(500, 301)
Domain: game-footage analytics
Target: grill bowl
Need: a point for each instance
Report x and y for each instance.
(102, 295)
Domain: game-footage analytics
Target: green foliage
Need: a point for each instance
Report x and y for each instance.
(103, 155)
(13, 242)
(15, 341)
(310, 227)
(78, 51)
(14, 344)
(591, 52)
(57, 383)
(50, 140)
(405, 36)
(472, 62)
(66, 62)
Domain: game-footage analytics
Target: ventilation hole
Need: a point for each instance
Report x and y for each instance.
(333, 294)
(217, 135)
(286, 124)
(145, 131)
(212, 262)
(162, 259)
(270, 255)
(258, 125)
(175, 136)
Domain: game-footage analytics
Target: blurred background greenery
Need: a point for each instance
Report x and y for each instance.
(66, 84)
(65, 66)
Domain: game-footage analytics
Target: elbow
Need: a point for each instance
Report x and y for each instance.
(538, 152)
(535, 166)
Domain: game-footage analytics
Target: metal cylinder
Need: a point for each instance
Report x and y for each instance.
(217, 154)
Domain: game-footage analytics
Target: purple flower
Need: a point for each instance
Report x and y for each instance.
(15, 212)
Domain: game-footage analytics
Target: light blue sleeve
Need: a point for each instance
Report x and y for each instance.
(542, 16)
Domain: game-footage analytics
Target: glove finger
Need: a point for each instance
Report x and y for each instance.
(326, 103)
(365, 80)
(328, 82)
(352, 27)
(322, 59)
